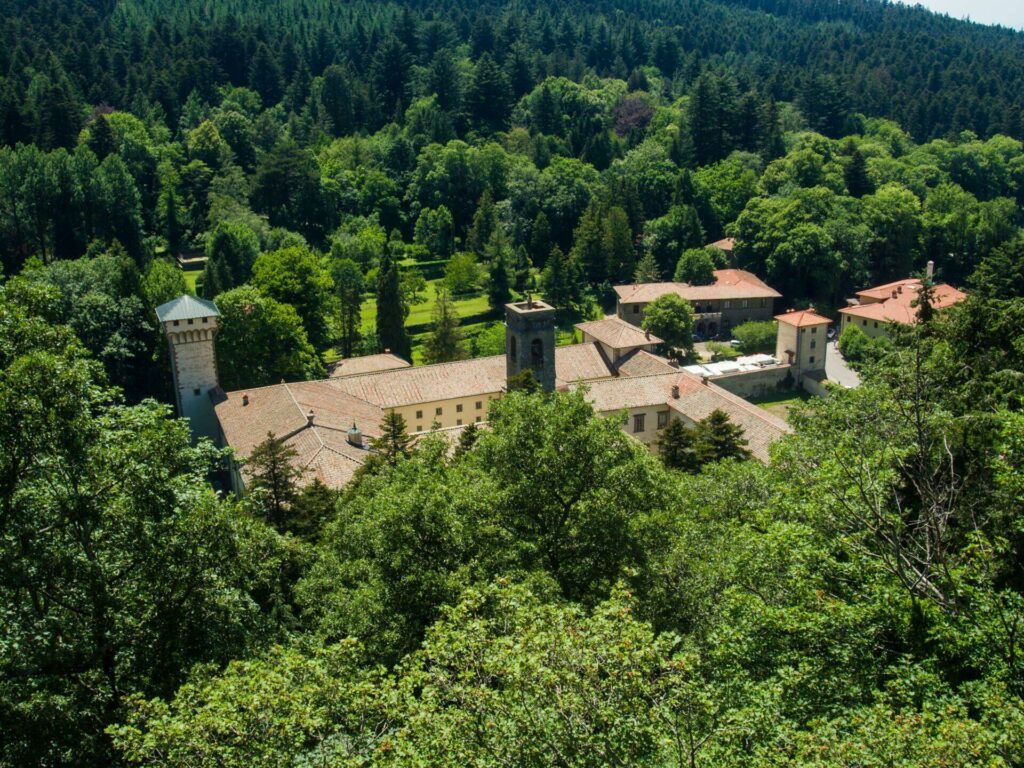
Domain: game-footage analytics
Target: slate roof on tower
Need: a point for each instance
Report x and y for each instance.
(186, 308)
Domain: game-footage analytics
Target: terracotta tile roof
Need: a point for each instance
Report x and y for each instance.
(354, 366)
(640, 362)
(729, 284)
(696, 401)
(900, 308)
(760, 428)
(617, 333)
(727, 244)
(283, 409)
(578, 362)
(427, 383)
(802, 317)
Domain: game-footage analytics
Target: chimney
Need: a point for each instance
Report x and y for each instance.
(900, 289)
(309, 417)
(245, 399)
(647, 335)
(675, 391)
(930, 269)
(894, 292)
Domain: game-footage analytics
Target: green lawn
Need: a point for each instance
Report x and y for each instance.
(779, 404)
(191, 276)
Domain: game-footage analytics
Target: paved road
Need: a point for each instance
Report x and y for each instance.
(837, 370)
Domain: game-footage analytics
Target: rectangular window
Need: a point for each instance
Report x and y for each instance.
(196, 392)
(458, 408)
(638, 423)
(206, 319)
(814, 330)
(479, 404)
(662, 419)
(865, 323)
(744, 303)
(812, 358)
(437, 411)
(458, 422)
(813, 344)
(726, 304)
(419, 427)
(176, 322)
(419, 414)
(876, 324)
(762, 304)
(477, 419)
(636, 309)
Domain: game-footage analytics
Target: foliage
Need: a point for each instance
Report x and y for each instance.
(671, 319)
(261, 341)
(445, 341)
(756, 336)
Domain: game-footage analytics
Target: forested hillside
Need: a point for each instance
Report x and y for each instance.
(345, 178)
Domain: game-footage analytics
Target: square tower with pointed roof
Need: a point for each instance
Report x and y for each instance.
(190, 324)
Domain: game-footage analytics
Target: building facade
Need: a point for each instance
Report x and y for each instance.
(735, 297)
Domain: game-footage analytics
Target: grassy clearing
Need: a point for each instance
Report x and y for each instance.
(191, 276)
(780, 403)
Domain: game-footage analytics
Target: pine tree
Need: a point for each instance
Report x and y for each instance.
(677, 447)
(524, 381)
(312, 507)
(647, 269)
(540, 238)
(485, 222)
(394, 441)
(617, 244)
(445, 342)
(171, 220)
(588, 247)
(497, 255)
(391, 310)
(273, 479)
(489, 95)
(101, 137)
(467, 439)
(718, 438)
(557, 282)
(348, 282)
(858, 183)
(265, 76)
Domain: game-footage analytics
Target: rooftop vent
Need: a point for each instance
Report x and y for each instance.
(309, 417)
(355, 436)
(675, 391)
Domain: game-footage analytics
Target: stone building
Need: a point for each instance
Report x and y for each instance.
(331, 422)
(190, 325)
(875, 310)
(736, 296)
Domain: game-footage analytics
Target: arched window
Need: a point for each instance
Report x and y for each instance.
(537, 354)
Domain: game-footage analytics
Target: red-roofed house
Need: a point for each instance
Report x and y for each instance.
(801, 341)
(735, 297)
(873, 310)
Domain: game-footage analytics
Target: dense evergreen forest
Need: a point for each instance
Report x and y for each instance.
(365, 176)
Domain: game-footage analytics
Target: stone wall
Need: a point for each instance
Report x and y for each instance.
(760, 383)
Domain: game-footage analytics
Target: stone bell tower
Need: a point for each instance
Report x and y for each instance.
(530, 341)
(191, 325)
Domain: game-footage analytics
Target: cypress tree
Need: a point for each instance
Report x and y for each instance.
(498, 291)
(445, 342)
(391, 311)
(485, 221)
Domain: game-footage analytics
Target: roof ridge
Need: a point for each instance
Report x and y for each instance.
(750, 407)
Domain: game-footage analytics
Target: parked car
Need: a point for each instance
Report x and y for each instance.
(735, 343)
